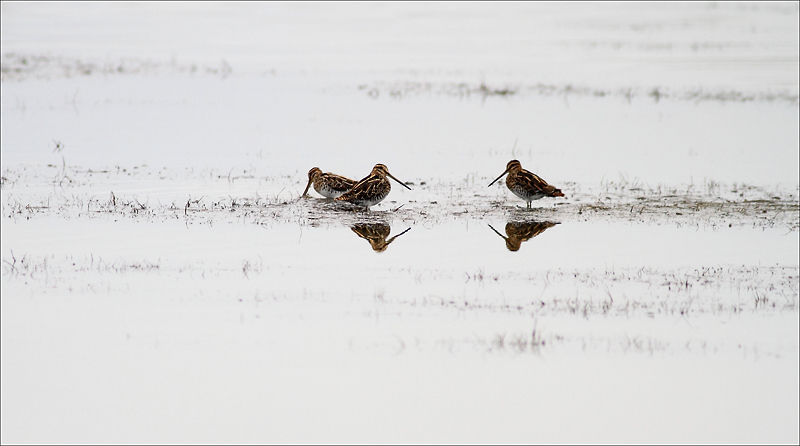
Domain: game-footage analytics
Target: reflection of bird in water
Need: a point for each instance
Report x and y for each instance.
(526, 185)
(372, 189)
(519, 232)
(329, 185)
(376, 234)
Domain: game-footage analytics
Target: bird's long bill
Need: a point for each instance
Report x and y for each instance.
(501, 176)
(307, 186)
(398, 235)
(495, 230)
(401, 183)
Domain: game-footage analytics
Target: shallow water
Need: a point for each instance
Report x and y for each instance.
(492, 241)
(282, 126)
(162, 281)
(600, 267)
(314, 318)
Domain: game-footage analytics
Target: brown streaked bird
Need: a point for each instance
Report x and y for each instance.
(376, 235)
(372, 189)
(329, 185)
(526, 185)
(519, 232)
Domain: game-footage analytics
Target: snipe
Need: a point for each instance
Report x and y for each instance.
(372, 189)
(527, 185)
(329, 185)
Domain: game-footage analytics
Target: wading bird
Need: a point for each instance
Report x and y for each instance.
(372, 189)
(329, 185)
(526, 185)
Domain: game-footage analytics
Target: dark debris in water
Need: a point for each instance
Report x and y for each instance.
(713, 205)
(72, 192)
(18, 67)
(403, 89)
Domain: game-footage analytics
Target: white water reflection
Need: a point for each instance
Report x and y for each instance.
(157, 286)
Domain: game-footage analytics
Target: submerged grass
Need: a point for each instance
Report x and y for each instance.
(583, 294)
(403, 89)
(647, 292)
(78, 193)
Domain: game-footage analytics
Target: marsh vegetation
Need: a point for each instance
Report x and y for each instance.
(163, 280)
